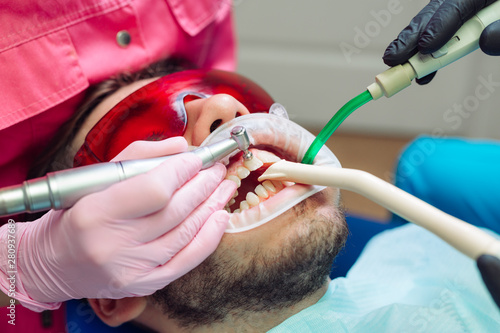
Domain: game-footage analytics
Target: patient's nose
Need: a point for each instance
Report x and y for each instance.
(206, 114)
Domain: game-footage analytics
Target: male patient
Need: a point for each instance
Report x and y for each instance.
(275, 277)
(255, 279)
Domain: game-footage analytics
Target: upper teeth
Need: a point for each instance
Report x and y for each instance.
(235, 179)
(268, 157)
(253, 164)
(242, 172)
(262, 191)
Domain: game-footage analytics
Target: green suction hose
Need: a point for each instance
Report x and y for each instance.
(332, 125)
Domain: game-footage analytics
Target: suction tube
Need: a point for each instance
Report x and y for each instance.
(466, 238)
(335, 122)
(465, 40)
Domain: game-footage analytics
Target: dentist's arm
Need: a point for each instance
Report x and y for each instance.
(434, 25)
(129, 240)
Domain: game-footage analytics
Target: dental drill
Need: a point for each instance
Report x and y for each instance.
(62, 189)
(396, 78)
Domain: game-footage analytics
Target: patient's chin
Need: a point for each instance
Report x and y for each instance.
(266, 278)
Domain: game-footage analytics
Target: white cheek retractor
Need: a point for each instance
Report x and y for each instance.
(274, 130)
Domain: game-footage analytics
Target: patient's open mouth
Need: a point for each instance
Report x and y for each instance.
(272, 138)
(250, 191)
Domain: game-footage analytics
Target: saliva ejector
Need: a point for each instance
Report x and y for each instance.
(62, 189)
(396, 78)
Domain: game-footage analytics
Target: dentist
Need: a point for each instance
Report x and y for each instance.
(54, 51)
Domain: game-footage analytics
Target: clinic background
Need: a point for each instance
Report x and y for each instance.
(314, 56)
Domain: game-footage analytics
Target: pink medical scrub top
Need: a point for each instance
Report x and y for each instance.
(52, 50)
(49, 55)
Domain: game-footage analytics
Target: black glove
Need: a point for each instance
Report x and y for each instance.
(434, 26)
(489, 266)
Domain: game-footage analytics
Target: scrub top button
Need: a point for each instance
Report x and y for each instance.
(123, 38)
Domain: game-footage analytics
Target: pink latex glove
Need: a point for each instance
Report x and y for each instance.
(131, 239)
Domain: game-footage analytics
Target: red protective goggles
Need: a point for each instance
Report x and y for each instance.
(156, 111)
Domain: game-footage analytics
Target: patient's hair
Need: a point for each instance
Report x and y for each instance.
(56, 155)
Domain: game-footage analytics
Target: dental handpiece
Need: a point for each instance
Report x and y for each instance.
(465, 40)
(62, 189)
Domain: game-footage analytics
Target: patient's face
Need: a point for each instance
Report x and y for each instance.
(270, 266)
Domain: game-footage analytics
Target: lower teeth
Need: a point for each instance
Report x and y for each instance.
(262, 192)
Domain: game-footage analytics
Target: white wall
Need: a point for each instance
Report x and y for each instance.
(294, 49)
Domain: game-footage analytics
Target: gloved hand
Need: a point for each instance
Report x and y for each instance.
(131, 239)
(434, 26)
(489, 266)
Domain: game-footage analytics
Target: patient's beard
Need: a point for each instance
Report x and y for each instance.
(271, 281)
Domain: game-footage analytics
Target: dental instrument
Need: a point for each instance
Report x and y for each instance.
(62, 189)
(240, 136)
(396, 78)
(466, 238)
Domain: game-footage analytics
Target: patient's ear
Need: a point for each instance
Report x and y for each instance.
(115, 312)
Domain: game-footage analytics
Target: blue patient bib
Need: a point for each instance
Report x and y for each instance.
(406, 280)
